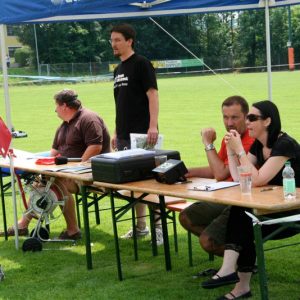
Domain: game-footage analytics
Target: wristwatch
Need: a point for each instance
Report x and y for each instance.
(210, 147)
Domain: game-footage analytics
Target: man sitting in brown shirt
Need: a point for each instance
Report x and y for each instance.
(82, 134)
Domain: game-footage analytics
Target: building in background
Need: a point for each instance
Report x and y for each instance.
(11, 42)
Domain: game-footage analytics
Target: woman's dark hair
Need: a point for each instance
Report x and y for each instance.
(69, 97)
(269, 110)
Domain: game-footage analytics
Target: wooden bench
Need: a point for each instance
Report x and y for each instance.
(178, 207)
(153, 198)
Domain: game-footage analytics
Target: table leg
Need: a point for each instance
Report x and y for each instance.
(135, 244)
(190, 251)
(86, 228)
(261, 262)
(117, 247)
(96, 207)
(175, 230)
(164, 225)
(153, 232)
(3, 205)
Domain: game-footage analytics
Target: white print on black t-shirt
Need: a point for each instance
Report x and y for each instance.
(120, 80)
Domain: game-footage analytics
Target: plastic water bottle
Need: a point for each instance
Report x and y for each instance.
(289, 186)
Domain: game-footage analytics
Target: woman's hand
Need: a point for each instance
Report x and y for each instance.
(233, 141)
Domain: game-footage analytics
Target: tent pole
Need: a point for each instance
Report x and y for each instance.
(14, 198)
(9, 124)
(268, 48)
(37, 51)
(5, 79)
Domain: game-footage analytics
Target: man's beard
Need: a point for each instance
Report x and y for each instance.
(116, 54)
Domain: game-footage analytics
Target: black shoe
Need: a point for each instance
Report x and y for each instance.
(207, 272)
(243, 296)
(220, 281)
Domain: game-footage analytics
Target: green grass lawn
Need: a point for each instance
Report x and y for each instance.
(187, 104)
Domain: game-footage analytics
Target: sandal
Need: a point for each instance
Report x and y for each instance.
(243, 296)
(65, 236)
(11, 232)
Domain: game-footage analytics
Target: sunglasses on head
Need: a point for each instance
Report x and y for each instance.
(253, 118)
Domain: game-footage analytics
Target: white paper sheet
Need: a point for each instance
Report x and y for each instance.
(215, 186)
(127, 153)
(139, 140)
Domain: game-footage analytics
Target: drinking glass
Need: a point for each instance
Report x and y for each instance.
(245, 179)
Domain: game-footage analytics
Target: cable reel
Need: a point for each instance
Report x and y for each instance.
(44, 198)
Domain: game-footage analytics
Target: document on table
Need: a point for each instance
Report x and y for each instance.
(23, 156)
(215, 186)
(77, 170)
(73, 169)
(131, 153)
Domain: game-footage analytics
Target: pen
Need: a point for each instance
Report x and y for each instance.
(183, 182)
(201, 188)
(268, 189)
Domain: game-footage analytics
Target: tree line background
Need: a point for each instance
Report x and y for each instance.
(232, 39)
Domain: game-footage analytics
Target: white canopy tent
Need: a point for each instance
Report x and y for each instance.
(39, 11)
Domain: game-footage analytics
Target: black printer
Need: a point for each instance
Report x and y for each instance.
(128, 165)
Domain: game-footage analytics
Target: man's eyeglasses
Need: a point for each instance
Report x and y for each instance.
(253, 118)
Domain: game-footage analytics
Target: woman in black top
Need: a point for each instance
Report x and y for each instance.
(267, 156)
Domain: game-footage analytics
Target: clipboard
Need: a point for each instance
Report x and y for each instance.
(215, 186)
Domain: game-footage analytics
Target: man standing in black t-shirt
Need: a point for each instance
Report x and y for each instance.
(135, 91)
(136, 99)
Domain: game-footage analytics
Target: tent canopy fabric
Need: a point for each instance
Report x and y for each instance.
(20, 11)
